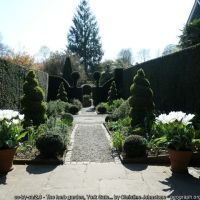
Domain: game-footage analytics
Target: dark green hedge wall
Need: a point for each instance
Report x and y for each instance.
(175, 80)
(11, 82)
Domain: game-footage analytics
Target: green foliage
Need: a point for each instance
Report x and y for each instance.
(181, 71)
(67, 118)
(11, 130)
(67, 70)
(77, 103)
(11, 83)
(111, 107)
(73, 110)
(53, 139)
(117, 140)
(75, 76)
(101, 108)
(106, 75)
(87, 89)
(190, 34)
(86, 101)
(83, 38)
(141, 100)
(56, 108)
(122, 111)
(112, 93)
(176, 129)
(135, 146)
(62, 94)
(33, 105)
(50, 145)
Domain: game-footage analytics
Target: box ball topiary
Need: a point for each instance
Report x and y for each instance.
(135, 146)
(50, 145)
(101, 109)
(73, 110)
(67, 118)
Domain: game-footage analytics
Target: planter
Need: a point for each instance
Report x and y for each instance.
(179, 160)
(6, 160)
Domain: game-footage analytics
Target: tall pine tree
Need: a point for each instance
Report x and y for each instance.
(83, 38)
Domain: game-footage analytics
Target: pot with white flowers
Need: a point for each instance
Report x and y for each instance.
(11, 132)
(178, 131)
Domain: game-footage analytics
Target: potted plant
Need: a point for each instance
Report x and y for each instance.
(11, 132)
(177, 131)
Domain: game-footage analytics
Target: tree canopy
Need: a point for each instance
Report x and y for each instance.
(84, 39)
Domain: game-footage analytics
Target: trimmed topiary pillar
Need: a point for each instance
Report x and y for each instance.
(62, 94)
(112, 93)
(33, 105)
(141, 101)
(97, 76)
(75, 76)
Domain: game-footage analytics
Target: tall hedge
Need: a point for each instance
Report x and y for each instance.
(175, 80)
(141, 100)
(11, 84)
(33, 105)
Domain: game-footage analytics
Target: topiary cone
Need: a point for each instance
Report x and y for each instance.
(141, 100)
(33, 105)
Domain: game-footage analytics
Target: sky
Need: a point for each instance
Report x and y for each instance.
(26, 25)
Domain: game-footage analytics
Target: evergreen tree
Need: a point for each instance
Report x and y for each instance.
(62, 94)
(83, 38)
(112, 93)
(141, 101)
(33, 105)
(67, 70)
(190, 34)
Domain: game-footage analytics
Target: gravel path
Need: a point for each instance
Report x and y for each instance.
(90, 141)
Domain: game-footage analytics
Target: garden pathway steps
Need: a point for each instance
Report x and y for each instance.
(90, 139)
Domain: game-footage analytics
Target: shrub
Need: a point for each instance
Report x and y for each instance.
(75, 76)
(101, 108)
(86, 101)
(118, 140)
(56, 108)
(62, 94)
(77, 103)
(122, 111)
(67, 118)
(112, 93)
(50, 145)
(33, 105)
(87, 89)
(135, 146)
(141, 100)
(73, 110)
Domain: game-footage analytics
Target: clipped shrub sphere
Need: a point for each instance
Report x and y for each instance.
(101, 109)
(50, 145)
(73, 110)
(135, 146)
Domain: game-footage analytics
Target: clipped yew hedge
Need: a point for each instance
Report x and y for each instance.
(175, 80)
(11, 84)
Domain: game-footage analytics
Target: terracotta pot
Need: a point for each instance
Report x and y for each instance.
(6, 160)
(179, 160)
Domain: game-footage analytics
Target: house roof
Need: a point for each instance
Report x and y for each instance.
(195, 13)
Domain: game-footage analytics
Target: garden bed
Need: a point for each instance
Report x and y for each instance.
(33, 157)
(157, 159)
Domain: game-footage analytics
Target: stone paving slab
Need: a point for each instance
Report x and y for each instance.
(95, 178)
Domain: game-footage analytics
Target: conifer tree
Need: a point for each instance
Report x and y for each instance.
(62, 94)
(83, 38)
(33, 105)
(141, 100)
(112, 93)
